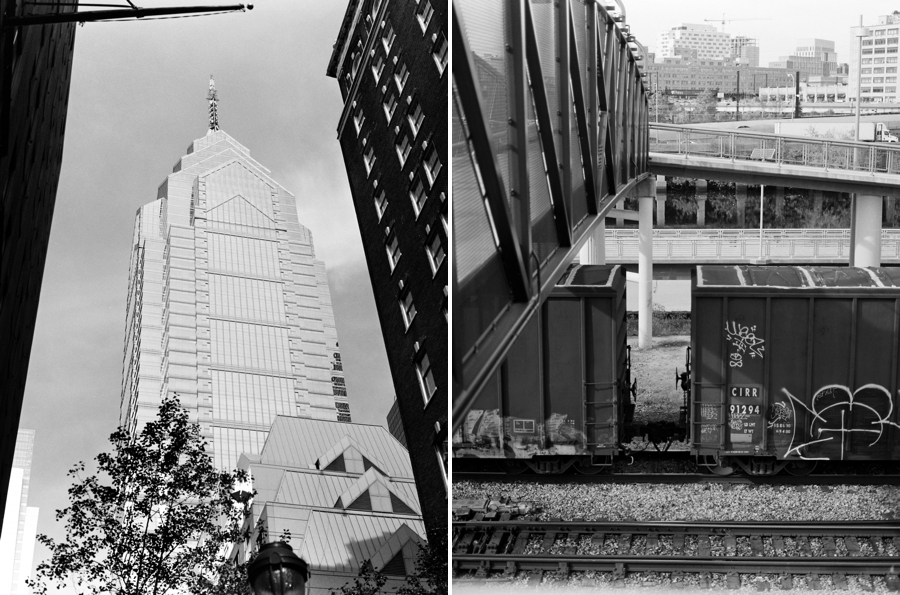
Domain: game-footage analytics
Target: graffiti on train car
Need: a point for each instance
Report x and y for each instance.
(485, 434)
(745, 341)
(837, 417)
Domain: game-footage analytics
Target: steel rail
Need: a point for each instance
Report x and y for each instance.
(687, 478)
(711, 528)
(723, 565)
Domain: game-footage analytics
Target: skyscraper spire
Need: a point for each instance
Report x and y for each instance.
(213, 98)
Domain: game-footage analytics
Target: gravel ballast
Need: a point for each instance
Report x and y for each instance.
(695, 502)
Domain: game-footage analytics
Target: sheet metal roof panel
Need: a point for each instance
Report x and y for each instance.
(793, 278)
(297, 442)
(338, 540)
(313, 489)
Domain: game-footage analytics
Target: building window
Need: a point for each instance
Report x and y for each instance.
(867, 52)
(441, 451)
(369, 159)
(889, 51)
(435, 252)
(866, 71)
(890, 69)
(892, 60)
(403, 147)
(866, 80)
(890, 79)
(890, 89)
(432, 164)
(378, 67)
(417, 194)
(439, 53)
(339, 391)
(879, 32)
(879, 42)
(392, 246)
(416, 116)
(892, 40)
(426, 376)
(878, 79)
(359, 118)
(401, 74)
(424, 14)
(356, 57)
(388, 38)
(390, 104)
(381, 203)
(337, 365)
(407, 308)
(891, 31)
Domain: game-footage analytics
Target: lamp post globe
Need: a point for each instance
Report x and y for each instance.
(277, 570)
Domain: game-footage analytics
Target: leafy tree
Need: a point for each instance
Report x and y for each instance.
(154, 521)
(368, 582)
(430, 577)
(431, 569)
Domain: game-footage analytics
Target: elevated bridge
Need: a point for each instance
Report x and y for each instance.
(775, 160)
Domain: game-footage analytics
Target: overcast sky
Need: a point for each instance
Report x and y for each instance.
(778, 25)
(138, 99)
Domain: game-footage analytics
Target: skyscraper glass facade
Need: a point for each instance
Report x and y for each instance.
(228, 306)
(17, 536)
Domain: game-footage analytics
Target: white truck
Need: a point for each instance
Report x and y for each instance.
(868, 131)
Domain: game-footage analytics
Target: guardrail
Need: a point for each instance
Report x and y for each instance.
(730, 245)
(819, 153)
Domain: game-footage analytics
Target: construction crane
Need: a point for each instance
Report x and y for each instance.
(723, 20)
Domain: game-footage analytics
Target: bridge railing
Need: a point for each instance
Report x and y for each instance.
(741, 145)
(729, 245)
(549, 131)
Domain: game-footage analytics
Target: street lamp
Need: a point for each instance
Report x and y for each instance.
(793, 86)
(859, 33)
(277, 570)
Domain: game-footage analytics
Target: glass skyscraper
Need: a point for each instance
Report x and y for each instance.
(227, 305)
(17, 536)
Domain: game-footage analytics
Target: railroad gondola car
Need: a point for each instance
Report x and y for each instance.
(794, 365)
(561, 395)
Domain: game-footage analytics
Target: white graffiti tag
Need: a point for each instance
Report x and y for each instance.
(744, 339)
(837, 413)
(779, 413)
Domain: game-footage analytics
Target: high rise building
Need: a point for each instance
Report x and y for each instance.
(744, 51)
(390, 61)
(812, 57)
(19, 522)
(37, 69)
(341, 494)
(878, 78)
(228, 306)
(709, 43)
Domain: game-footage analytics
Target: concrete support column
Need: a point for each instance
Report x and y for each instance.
(701, 195)
(660, 201)
(740, 195)
(620, 222)
(867, 231)
(594, 250)
(818, 197)
(890, 207)
(645, 273)
(779, 206)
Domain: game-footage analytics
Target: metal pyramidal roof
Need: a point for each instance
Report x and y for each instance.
(213, 98)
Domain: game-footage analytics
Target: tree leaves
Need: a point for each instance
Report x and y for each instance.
(157, 518)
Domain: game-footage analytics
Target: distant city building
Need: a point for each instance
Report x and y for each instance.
(395, 423)
(812, 57)
(344, 493)
(878, 79)
(682, 77)
(744, 51)
(390, 61)
(709, 43)
(19, 522)
(228, 306)
(37, 69)
(820, 92)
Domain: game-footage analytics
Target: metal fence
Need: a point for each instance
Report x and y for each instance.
(550, 129)
(730, 245)
(818, 153)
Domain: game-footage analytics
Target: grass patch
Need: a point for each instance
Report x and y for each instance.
(658, 395)
(665, 324)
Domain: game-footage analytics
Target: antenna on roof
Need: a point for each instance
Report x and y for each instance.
(213, 98)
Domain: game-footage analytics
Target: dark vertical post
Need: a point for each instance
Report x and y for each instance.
(797, 112)
(737, 105)
(518, 119)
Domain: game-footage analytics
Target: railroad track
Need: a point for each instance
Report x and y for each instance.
(680, 478)
(505, 548)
